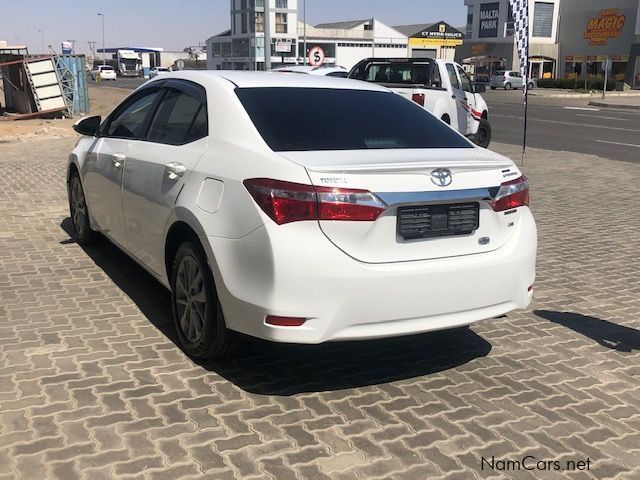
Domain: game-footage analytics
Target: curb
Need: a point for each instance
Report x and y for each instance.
(585, 95)
(614, 105)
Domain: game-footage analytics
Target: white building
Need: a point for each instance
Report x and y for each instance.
(344, 43)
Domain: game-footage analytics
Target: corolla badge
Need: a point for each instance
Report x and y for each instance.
(442, 177)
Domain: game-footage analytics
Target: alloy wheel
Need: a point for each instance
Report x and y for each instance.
(78, 207)
(191, 299)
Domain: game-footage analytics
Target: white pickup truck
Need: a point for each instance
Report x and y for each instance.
(440, 86)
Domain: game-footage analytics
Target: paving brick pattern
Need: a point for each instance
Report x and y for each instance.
(93, 386)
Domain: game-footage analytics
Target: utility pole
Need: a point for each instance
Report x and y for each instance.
(104, 58)
(304, 52)
(606, 77)
(42, 41)
(92, 49)
(267, 35)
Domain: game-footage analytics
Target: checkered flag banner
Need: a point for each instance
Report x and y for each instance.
(520, 10)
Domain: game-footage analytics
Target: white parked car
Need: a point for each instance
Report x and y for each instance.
(326, 71)
(106, 72)
(303, 209)
(155, 71)
(509, 79)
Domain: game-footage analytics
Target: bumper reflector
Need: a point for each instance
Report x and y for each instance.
(285, 321)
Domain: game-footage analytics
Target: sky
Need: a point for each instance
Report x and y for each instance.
(175, 24)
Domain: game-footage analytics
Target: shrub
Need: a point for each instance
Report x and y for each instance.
(575, 84)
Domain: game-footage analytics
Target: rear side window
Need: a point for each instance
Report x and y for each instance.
(129, 122)
(305, 119)
(175, 118)
(413, 73)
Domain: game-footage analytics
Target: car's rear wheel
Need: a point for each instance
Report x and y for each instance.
(530, 84)
(196, 309)
(483, 137)
(79, 212)
(507, 86)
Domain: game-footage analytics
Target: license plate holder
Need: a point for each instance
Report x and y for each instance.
(428, 221)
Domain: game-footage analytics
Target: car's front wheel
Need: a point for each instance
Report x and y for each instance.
(507, 86)
(79, 212)
(196, 309)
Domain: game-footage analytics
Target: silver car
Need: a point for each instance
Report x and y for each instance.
(508, 79)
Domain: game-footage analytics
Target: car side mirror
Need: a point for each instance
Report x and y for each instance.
(479, 88)
(88, 125)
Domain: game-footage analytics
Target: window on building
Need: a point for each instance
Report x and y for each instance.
(543, 19)
(281, 3)
(245, 23)
(259, 22)
(281, 23)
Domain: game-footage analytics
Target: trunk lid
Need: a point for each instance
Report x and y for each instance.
(402, 179)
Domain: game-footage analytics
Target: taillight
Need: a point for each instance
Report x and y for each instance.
(418, 98)
(348, 204)
(512, 195)
(286, 202)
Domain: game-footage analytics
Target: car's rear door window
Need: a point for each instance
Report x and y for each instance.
(304, 119)
(175, 118)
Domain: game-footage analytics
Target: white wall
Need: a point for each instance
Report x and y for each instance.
(347, 57)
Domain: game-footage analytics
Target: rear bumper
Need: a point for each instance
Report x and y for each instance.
(294, 271)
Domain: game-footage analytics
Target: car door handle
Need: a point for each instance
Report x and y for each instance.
(118, 159)
(175, 170)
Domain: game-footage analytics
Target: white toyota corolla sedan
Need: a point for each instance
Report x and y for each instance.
(303, 209)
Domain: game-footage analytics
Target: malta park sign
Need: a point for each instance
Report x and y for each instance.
(607, 25)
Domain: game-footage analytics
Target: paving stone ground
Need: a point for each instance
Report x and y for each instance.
(93, 386)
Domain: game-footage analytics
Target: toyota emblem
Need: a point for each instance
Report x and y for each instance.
(442, 177)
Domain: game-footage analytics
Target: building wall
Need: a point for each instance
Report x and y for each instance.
(594, 31)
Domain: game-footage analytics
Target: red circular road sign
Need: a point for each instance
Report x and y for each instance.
(316, 56)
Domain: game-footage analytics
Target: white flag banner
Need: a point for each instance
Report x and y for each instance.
(520, 10)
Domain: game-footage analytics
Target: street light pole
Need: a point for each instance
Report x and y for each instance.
(104, 61)
(42, 40)
(267, 35)
(304, 52)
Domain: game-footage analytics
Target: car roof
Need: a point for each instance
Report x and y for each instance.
(245, 79)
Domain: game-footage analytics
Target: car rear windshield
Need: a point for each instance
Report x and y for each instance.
(304, 119)
(499, 74)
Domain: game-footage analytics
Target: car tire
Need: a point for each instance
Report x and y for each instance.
(196, 308)
(531, 86)
(507, 86)
(493, 88)
(79, 212)
(483, 137)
